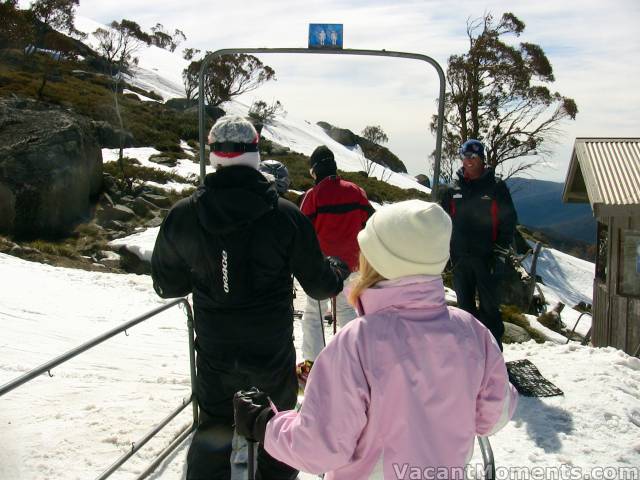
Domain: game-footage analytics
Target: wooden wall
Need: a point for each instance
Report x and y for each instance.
(616, 321)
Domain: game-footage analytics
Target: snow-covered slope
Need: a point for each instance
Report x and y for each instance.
(74, 425)
(157, 70)
(568, 280)
(160, 71)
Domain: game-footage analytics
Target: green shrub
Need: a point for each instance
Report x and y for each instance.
(60, 249)
(138, 172)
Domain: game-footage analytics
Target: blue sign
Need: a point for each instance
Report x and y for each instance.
(325, 35)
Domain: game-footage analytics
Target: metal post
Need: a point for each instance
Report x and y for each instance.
(201, 120)
(324, 340)
(192, 366)
(347, 51)
(251, 459)
(487, 458)
(48, 366)
(576, 325)
(334, 314)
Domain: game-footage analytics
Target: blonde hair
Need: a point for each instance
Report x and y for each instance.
(368, 277)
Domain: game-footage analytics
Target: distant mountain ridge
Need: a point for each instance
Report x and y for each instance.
(539, 205)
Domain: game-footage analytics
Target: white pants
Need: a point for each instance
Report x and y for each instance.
(313, 323)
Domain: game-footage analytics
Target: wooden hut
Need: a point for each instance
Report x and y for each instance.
(606, 173)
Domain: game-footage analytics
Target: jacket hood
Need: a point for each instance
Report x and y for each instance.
(415, 291)
(232, 198)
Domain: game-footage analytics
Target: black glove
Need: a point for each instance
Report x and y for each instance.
(499, 259)
(339, 267)
(251, 412)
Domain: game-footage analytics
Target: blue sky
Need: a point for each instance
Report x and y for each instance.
(592, 45)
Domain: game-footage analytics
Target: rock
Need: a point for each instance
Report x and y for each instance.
(158, 200)
(109, 259)
(374, 152)
(109, 136)
(115, 225)
(341, 135)
(118, 213)
(106, 200)
(552, 319)
(162, 160)
(181, 104)
(515, 334)
(50, 168)
(515, 286)
(154, 222)
(131, 263)
(423, 180)
(142, 206)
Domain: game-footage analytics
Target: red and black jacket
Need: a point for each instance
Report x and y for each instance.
(338, 210)
(482, 214)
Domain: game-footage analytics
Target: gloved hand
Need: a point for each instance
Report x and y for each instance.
(339, 267)
(251, 412)
(499, 259)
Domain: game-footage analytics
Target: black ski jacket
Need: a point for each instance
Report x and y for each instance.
(234, 244)
(482, 214)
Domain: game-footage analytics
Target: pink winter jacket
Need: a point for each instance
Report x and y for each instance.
(406, 386)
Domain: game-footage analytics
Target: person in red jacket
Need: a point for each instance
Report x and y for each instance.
(338, 210)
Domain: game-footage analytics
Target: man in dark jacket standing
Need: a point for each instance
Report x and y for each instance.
(235, 244)
(484, 221)
(338, 210)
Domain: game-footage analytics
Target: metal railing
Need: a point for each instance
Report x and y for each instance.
(586, 339)
(313, 51)
(487, 458)
(180, 436)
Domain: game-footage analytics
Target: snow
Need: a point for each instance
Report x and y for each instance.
(141, 243)
(568, 280)
(160, 71)
(77, 423)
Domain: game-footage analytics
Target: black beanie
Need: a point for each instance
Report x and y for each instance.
(322, 162)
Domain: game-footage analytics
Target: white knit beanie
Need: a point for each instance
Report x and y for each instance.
(233, 141)
(407, 238)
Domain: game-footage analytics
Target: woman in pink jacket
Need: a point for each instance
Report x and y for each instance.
(403, 389)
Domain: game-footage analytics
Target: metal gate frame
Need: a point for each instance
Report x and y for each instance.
(184, 433)
(346, 51)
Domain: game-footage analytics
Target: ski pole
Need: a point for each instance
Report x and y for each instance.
(334, 314)
(251, 451)
(324, 340)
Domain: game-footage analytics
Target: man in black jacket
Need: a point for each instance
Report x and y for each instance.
(234, 244)
(484, 221)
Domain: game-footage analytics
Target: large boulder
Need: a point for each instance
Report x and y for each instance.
(341, 135)
(50, 168)
(374, 152)
(110, 136)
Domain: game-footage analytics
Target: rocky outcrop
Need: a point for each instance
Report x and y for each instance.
(50, 168)
(341, 135)
(110, 136)
(374, 152)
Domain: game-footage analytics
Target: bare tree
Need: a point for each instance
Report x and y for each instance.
(498, 93)
(227, 76)
(118, 45)
(370, 168)
(264, 113)
(375, 134)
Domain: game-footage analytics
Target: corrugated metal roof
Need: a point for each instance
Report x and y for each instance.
(608, 169)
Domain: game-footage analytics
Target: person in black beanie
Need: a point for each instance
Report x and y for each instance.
(338, 210)
(484, 221)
